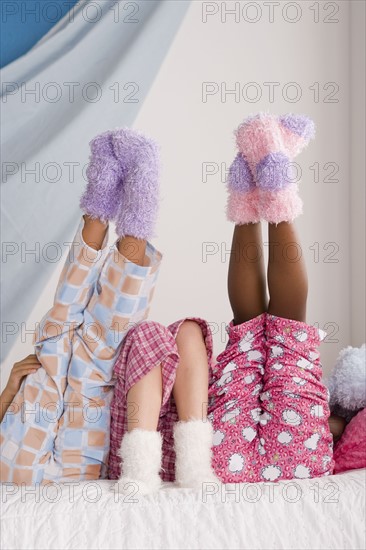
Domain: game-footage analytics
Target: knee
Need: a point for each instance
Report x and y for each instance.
(189, 333)
(148, 337)
(192, 349)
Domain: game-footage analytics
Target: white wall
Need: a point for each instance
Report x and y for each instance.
(304, 52)
(193, 132)
(357, 159)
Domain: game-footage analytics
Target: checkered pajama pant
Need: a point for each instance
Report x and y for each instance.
(57, 427)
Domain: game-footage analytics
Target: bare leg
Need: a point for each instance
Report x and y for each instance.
(246, 279)
(94, 232)
(190, 389)
(141, 445)
(287, 277)
(131, 248)
(144, 401)
(193, 433)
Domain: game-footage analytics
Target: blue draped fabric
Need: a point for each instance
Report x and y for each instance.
(91, 72)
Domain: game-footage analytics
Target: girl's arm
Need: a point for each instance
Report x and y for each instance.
(26, 366)
(337, 425)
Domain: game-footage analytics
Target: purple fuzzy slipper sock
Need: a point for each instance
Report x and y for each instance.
(101, 196)
(139, 162)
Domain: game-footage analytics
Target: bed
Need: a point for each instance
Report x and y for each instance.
(319, 513)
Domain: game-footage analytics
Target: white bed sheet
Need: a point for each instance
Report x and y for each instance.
(307, 514)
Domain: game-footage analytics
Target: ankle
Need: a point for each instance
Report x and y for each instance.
(94, 232)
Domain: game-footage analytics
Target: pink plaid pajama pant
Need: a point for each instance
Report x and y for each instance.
(145, 347)
(57, 426)
(267, 404)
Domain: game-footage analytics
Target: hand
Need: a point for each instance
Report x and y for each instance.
(29, 365)
(337, 425)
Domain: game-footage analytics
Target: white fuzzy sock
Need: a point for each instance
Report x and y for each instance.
(141, 453)
(192, 443)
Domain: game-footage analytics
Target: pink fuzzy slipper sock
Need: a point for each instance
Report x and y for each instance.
(261, 179)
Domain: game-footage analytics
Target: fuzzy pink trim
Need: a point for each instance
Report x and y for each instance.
(280, 206)
(242, 208)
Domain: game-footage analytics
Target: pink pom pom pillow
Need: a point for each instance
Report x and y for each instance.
(350, 450)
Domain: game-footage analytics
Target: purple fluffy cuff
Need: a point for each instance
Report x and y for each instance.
(240, 176)
(275, 171)
(301, 125)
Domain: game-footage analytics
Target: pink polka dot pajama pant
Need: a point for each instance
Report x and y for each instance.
(267, 404)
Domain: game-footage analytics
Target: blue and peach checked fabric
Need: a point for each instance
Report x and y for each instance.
(57, 427)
